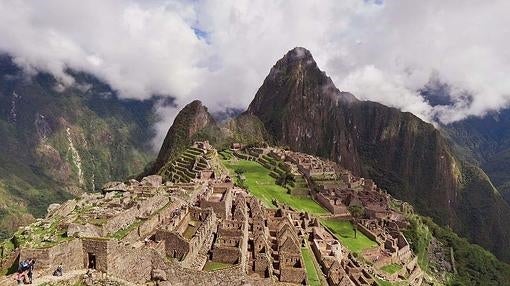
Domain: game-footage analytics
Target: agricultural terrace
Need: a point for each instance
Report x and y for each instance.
(263, 186)
(344, 231)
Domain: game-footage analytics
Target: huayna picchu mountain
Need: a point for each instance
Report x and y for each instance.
(300, 107)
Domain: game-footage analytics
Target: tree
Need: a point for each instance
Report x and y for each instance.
(240, 177)
(357, 212)
(239, 171)
(285, 178)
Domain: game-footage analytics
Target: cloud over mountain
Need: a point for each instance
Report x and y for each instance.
(219, 51)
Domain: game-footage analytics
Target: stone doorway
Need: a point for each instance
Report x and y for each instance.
(91, 261)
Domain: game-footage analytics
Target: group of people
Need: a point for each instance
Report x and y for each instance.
(25, 271)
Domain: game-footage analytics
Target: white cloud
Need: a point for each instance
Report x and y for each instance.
(379, 52)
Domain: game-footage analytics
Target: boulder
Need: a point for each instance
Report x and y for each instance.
(153, 181)
(52, 208)
(158, 275)
(114, 186)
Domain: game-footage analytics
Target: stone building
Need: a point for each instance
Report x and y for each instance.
(218, 196)
(185, 241)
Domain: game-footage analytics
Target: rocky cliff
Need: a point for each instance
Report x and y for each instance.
(300, 107)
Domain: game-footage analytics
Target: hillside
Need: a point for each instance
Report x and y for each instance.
(486, 142)
(301, 108)
(57, 144)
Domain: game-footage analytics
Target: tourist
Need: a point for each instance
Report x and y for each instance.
(19, 278)
(31, 266)
(59, 271)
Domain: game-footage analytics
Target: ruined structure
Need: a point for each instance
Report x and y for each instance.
(197, 220)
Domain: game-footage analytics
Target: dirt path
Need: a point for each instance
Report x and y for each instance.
(65, 277)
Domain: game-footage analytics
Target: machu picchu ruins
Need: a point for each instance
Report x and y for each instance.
(197, 221)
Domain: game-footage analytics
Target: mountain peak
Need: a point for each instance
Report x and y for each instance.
(189, 121)
(297, 57)
(296, 81)
(299, 53)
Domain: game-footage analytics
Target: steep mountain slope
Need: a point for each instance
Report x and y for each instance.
(486, 141)
(300, 107)
(190, 120)
(194, 122)
(55, 144)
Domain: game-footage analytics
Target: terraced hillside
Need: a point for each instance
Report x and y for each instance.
(261, 184)
(187, 166)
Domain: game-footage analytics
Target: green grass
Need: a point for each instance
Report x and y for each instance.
(381, 282)
(121, 233)
(391, 268)
(264, 187)
(419, 236)
(212, 266)
(343, 231)
(312, 276)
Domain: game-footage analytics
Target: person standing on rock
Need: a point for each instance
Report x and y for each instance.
(31, 267)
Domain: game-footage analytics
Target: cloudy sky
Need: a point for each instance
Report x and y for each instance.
(219, 51)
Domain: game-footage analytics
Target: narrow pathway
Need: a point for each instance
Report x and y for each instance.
(65, 277)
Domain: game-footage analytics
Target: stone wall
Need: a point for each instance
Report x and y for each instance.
(175, 245)
(367, 232)
(69, 254)
(225, 254)
(120, 221)
(152, 204)
(150, 225)
(128, 263)
(143, 209)
(84, 230)
(222, 208)
(64, 210)
(293, 275)
(98, 248)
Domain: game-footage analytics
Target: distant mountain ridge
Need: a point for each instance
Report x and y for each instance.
(486, 142)
(57, 144)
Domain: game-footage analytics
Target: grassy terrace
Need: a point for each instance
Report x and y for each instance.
(312, 274)
(391, 268)
(381, 282)
(121, 233)
(263, 186)
(343, 231)
(212, 266)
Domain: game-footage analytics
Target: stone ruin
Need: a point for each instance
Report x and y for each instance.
(157, 228)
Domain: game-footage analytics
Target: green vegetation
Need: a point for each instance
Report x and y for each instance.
(212, 266)
(475, 265)
(419, 236)
(184, 167)
(112, 137)
(121, 233)
(39, 235)
(381, 282)
(391, 268)
(343, 230)
(356, 212)
(312, 274)
(263, 186)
